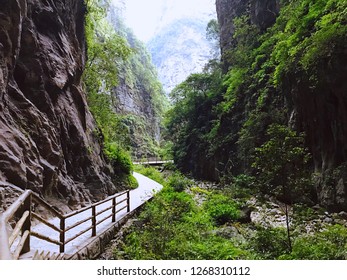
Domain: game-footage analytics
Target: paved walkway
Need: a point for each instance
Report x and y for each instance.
(139, 196)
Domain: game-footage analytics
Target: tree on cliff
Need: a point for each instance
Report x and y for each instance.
(281, 166)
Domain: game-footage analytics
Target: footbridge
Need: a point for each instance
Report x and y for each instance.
(81, 234)
(153, 161)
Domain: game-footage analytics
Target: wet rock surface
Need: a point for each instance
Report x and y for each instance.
(48, 138)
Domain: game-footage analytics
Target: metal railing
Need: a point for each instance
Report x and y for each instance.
(20, 216)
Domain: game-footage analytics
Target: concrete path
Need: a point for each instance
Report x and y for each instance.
(139, 196)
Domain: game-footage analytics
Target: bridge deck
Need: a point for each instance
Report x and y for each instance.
(138, 197)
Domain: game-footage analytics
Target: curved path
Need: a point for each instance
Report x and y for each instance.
(146, 189)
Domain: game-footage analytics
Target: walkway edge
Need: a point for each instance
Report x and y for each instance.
(95, 246)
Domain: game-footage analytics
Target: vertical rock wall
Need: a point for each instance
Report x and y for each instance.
(320, 112)
(262, 12)
(48, 138)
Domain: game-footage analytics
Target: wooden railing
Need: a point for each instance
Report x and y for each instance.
(20, 215)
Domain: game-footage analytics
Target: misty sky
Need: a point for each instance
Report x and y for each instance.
(146, 17)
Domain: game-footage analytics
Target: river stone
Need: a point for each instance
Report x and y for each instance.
(328, 220)
(343, 214)
(229, 232)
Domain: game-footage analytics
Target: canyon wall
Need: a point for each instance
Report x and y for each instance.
(317, 108)
(48, 139)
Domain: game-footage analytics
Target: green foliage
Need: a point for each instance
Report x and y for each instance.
(190, 119)
(212, 30)
(151, 173)
(141, 139)
(221, 209)
(241, 186)
(172, 227)
(115, 55)
(199, 190)
(233, 81)
(120, 159)
(330, 244)
(212, 35)
(131, 182)
(307, 33)
(218, 125)
(138, 75)
(302, 213)
(105, 49)
(178, 182)
(246, 36)
(281, 163)
(269, 243)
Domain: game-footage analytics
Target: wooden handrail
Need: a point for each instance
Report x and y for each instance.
(46, 238)
(22, 208)
(46, 205)
(104, 219)
(119, 210)
(21, 244)
(78, 235)
(77, 224)
(5, 252)
(42, 220)
(94, 204)
(104, 210)
(62, 236)
(9, 213)
(18, 227)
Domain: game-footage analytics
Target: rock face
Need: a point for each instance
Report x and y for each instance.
(179, 50)
(320, 112)
(48, 138)
(262, 12)
(138, 95)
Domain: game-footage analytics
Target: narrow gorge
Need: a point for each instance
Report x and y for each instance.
(243, 101)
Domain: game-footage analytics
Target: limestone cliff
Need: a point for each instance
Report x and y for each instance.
(138, 97)
(262, 12)
(180, 49)
(48, 138)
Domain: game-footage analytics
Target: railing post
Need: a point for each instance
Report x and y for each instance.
(93, 221)
(27, 224)
(5, 252)
(62, 234)
(113, 210)
(128, 201)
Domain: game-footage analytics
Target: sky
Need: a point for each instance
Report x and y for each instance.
(146, 17)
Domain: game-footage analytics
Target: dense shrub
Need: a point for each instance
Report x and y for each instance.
(150, 172)
(330, 244)
(241, 186)
(173, 227)
(269, 243)
(178, 182)
(120, 159)
(221, 209)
